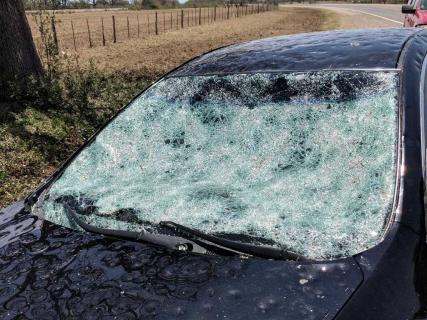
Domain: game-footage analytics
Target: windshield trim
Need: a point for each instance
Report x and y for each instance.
(275, 71)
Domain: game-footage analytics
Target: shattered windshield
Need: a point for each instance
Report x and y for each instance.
(303, 161)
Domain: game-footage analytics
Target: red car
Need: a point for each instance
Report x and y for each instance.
(415, 13)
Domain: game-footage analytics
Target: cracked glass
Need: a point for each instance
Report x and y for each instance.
(301, 161)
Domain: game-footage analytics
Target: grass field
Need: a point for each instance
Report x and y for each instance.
(45, 125)
(91, 27)
(155, 55)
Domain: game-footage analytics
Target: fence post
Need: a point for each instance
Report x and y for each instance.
(164, 22)
(171, 21)
(188, 19)
(200, 16)
(55, 38)
(74, 37)
(157, 27)
(148, 24)
(137, 19)
(228, 12)
(177, 20)
(103, 34)
(88, 33)
(182, 19)
(114, 30)
(127, 23)
(214, 14)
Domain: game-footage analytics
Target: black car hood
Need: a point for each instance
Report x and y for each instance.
(48, 271)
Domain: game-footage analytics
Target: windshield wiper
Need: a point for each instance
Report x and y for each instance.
(185, 244)
(244, 248)
(170, 242)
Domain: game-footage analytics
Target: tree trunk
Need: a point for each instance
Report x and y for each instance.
(18, 55)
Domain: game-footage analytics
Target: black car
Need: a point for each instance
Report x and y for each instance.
(281, 178)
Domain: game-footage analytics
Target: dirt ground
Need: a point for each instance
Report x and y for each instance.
(155, 55)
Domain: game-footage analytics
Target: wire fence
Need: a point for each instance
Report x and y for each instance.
(96, 30)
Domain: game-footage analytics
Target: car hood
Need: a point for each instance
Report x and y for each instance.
(49, 271)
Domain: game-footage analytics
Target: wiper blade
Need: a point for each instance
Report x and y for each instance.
(171, 242)
(249, 249)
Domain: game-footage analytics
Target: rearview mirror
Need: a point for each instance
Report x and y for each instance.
(408, 9)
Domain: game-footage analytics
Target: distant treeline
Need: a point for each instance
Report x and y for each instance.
(132, 4)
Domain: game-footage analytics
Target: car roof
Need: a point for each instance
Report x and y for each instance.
(349, 49)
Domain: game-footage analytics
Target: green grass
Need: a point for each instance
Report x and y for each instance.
(44, 123)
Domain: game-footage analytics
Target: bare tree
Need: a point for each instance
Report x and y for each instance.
(18, 55)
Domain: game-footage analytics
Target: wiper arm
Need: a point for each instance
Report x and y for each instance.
(171, 242)
(253, 250)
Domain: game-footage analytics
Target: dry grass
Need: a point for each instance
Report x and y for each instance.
(144, 20)
(156, 55)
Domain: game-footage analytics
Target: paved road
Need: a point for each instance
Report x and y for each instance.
(364, 15)
(387, 12)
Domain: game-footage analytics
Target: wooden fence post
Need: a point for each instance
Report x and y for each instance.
(137, 19)
(164, 22)
(127, 23)
(114, 30)
(228, 12)
(157, 26)
(55, 38)
(171, 21)
(182, 19)
(74, 37)
(188, 18)
(88, 33)
(148, 24)
(200, 16)
(177, 20)
(214, 14)
(103, 34)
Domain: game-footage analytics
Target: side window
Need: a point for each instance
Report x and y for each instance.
(412, 2)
